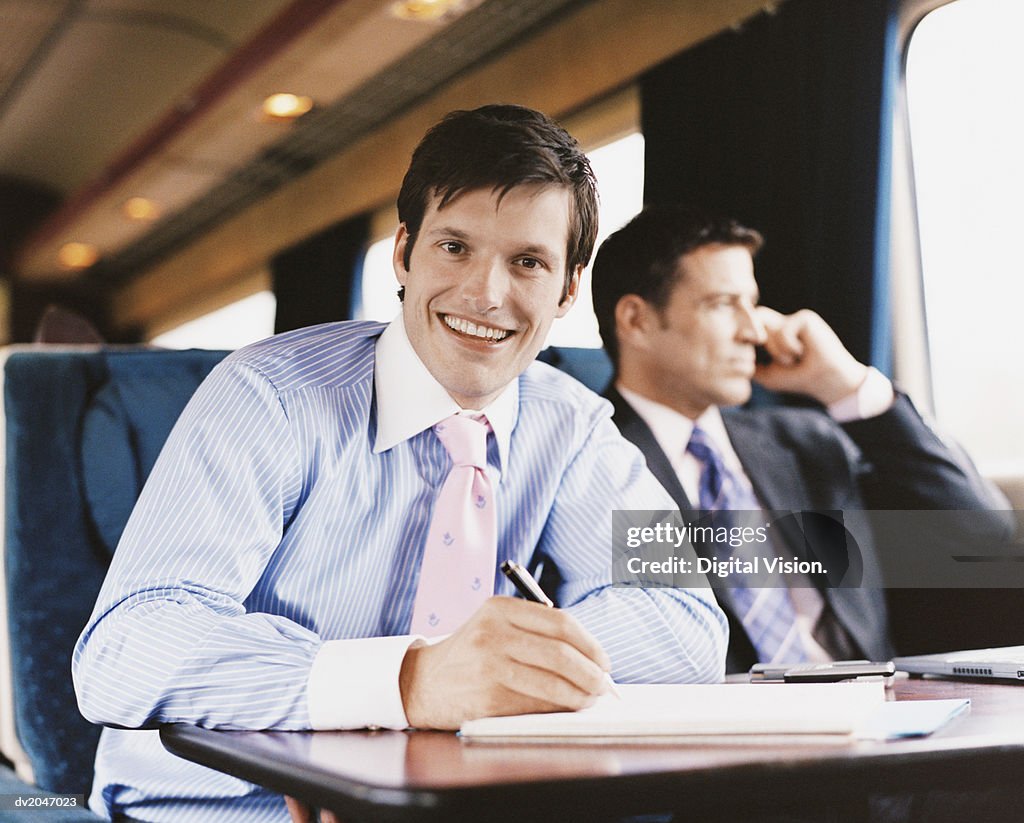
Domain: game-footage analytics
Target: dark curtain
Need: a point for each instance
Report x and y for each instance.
(785, 124)
(315, 281)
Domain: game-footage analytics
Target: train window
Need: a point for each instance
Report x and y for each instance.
(230, 327)
(966, 119)
(619, 168)
(379, 298)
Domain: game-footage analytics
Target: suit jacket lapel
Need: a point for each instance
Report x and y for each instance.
(779, 482)
(773, 471)
(633, 428)
(772, 468)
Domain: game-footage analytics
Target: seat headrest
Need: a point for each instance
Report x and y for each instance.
(124, 428)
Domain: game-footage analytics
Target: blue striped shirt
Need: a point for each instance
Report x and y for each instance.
(270, 528)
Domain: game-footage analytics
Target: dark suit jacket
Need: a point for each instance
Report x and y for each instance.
(800, 459)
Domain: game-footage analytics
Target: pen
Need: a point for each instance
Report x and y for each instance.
(531, 590)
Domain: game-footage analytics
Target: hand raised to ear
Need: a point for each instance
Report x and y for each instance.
(807, 357)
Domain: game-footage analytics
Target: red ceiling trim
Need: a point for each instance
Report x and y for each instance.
(286, 26)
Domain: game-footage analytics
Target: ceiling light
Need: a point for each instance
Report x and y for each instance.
(426, 9)
(141, 209)
(286, 106)
(78, 255)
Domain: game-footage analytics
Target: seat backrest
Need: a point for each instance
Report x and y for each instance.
(83, 429)
(592, 367)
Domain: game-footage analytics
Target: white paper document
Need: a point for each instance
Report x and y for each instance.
(911, 718)
(713, 709)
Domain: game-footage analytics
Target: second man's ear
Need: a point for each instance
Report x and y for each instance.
(633, 317)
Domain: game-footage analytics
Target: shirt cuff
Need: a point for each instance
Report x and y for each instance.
(354, 683)
(875, 396)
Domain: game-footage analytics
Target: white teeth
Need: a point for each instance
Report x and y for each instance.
(472, 329)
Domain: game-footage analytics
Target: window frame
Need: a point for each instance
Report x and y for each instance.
(912, 358)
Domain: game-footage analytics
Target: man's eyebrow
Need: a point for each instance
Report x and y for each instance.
(448, 231)
(539, 251)
(732, 293)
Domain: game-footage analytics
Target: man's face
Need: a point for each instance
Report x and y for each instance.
(700, 350)
(484, 285)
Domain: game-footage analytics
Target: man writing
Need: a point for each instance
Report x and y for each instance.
(333, 496)
(678, 308)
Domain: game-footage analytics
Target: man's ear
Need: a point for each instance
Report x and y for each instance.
(571, 293)
(634, 319)
(398, 255)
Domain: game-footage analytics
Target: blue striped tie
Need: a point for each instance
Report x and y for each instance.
(767, 614)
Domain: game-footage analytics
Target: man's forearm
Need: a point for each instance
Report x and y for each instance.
(658, 635)
(163, 657)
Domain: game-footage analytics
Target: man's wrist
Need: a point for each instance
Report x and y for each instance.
(874, 396)
(354, 683)
(406, 682)
(844, 381)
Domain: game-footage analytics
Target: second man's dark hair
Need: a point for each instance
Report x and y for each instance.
(642, 258)
(499, 147)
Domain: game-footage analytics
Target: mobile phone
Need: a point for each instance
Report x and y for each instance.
(819, 672)
(840, 670)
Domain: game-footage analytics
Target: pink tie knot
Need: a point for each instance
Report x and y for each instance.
(465, 438)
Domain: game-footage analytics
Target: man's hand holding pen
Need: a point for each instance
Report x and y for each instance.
(510, 657)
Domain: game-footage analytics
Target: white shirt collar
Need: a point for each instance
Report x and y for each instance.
(672, 429)
(410, 400)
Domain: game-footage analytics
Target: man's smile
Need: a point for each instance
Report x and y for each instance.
(478, 331)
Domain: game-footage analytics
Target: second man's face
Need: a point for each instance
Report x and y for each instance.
(484, 284)
(702, 351)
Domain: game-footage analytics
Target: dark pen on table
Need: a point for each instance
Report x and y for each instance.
(531, 590)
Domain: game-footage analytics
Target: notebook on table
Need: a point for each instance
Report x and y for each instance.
(646, 711)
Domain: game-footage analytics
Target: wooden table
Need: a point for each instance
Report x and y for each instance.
(430, 776)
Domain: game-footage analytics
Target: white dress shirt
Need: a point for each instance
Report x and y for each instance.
(409, 401)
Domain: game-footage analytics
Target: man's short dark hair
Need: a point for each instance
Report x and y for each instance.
(642, 258)
(499, 147)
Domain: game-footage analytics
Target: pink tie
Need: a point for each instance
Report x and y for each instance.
(457, 574)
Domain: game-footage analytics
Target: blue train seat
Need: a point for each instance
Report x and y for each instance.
(83, 428)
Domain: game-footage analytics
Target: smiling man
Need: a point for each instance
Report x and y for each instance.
(495, 275)
(334, 498)
(679, 312)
